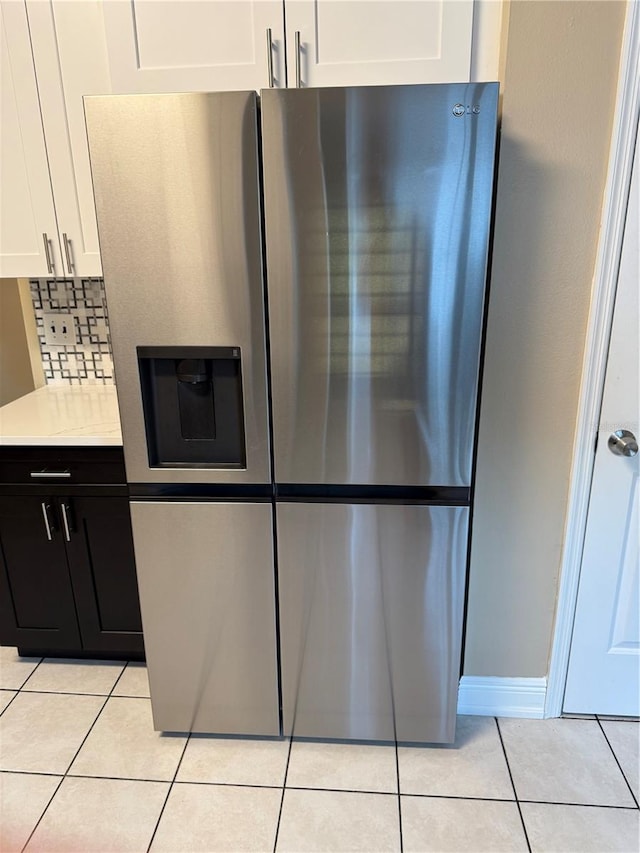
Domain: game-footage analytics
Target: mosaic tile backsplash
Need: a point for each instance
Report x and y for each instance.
(88, 361)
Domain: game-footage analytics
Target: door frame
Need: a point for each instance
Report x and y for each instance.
(596, 352)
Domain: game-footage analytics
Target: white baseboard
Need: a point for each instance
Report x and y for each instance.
(502, 697)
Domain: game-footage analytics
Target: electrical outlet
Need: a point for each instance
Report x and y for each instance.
(59, 328)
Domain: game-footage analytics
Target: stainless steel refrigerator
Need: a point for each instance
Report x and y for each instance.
(296, 289)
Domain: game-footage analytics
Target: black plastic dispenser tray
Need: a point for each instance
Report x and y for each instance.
(192, 401)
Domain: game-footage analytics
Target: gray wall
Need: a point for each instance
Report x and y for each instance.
(559, 86)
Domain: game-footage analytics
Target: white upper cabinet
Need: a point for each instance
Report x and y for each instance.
(209, 45)
(27, 214)
(56, 51)
(378, 42)
(194, 45)
(70, 59)
(53, 55)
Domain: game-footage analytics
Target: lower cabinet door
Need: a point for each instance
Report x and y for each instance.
(37, 610)
(99, 543)
(371, 609)
(206, 577)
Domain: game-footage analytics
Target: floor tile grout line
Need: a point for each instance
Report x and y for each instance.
(580, 805)
(122, 671)
(17, 693)
(51, 798)
(613, 752)
(30, 674)
(171, 784)
(32, 773)
(71, 660)
(331, 790)
(323, 790)
(513, 785)
(75, 755)
(399, 798)
(460, 797)
(77, 693)
(284, 788)
(104, 704)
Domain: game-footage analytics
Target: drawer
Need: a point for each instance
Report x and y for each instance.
(40, 466)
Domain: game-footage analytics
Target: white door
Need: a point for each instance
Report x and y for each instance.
(604, 662)
(27, 214)
(378, 42)
(69, 54)
(194, 45)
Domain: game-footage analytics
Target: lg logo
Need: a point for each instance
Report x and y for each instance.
(460, 109)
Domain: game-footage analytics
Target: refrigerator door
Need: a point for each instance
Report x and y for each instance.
(176, 189)
(206, 578)
(377, 207)
(371, 608)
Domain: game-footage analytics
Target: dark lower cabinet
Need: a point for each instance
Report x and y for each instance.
(103, 573)
(37, 606)
(67, 570)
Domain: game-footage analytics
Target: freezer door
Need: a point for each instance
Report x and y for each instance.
(176, 187)
(377, 210)
(206, 578)
(371, 607)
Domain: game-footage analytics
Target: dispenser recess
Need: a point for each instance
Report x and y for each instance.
(192, 402)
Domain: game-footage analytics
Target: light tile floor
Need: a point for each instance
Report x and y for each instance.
(83, 770)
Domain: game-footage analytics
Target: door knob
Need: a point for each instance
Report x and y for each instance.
(623, 443)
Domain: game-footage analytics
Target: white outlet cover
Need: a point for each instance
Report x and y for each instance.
(59, 328)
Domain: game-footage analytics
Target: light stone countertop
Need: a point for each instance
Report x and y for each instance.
(63, 415)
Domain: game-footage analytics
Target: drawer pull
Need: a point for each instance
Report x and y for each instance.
(50, 475)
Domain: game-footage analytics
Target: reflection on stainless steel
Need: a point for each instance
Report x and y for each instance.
(377, 205)
(205, 572)
(176, 188)
(371, 602)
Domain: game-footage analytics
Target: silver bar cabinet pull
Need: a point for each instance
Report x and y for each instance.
(49, 475)
(67, 251)
(45, 515)
(270, 57)
(65, 521)
(47, 254)
(296, 41)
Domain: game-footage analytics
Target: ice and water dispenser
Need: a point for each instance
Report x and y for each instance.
(192, 400)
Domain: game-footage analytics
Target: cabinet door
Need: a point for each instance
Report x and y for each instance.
(37, 609)
(26, 201)
(99, 545)
(378, 42)
(194, 46)
(70, 57)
